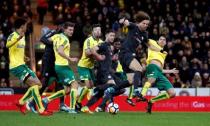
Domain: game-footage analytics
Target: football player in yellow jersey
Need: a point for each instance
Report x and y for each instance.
(86, 63)
(16, 46)
(154, 73)
(61, 46)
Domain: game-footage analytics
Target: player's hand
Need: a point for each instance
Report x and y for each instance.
(74, 59)
(115, 57)
(122, 20)
(101, 57)
(174, 71)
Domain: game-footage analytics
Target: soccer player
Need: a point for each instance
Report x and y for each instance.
(137, 36)
(86, 63)
(16, 44)
(154, 73)
(129, 58)
(48, 69)
(119, 71)
(61, 46)
(106, 81)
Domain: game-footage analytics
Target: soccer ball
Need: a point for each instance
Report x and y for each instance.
(113, 108)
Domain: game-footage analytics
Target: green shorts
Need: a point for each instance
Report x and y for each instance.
(85, 73)
(22, 71)
(162, 83)
(121, 75)
(65, 75)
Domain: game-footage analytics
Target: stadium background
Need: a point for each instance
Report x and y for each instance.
(186, 23)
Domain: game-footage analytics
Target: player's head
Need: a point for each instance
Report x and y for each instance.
(142, 19)
(162, 41)
(68, 28)
(20, 24)
(117, 43)
(110, 36)
(96, 30)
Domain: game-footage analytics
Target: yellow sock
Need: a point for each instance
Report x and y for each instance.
(130, 96)
(89, 93)
(161, 96)
(84, 91)
(147, 85)
(37, 98)
(73, 96)
(26, 96)
(56, 95)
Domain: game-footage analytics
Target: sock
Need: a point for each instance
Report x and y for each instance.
(89, 94)
(92, 101)
(44, 85)
(144, 90)
(26, 96)
(130, 96)
(137, 79)
(73, 97)
(37, 98)
(56, 95)
(97, 94)
(62, 101)
(161, 96)
(108, 97)
(84, 91)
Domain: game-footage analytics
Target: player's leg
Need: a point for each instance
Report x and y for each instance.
(97, 94)
(136, 67)
(86, 75)
(34, 82)
(162, 84)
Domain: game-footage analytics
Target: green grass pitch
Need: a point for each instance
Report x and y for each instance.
(13, 118)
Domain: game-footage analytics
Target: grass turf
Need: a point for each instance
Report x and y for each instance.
(105, 119)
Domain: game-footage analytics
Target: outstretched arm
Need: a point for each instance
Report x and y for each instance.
(96, 55)
(174, 71)
(60, 50)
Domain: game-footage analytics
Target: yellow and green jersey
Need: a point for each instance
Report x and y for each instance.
(86, 61)
(16, 51)
(154, 55)
(61, 40)
(119, 68)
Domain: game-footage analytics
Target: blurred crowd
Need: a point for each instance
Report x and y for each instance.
(186, 23)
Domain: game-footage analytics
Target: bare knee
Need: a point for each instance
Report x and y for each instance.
(151, 80)
(74, 85)
(89, 84)
(171, 93)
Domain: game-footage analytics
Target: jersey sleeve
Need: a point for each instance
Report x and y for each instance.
(59, 41)
(11, 40)
(87, 44)
(131, 25)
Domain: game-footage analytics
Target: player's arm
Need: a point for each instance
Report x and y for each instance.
(174, 71)
(124, 21)
(95, 54)
(60, 51)
(87, 48)
(13, 40)
(45, 39)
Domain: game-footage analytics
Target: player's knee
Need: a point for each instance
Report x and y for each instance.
(172, 93)
(151, 80)
(74, 85)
